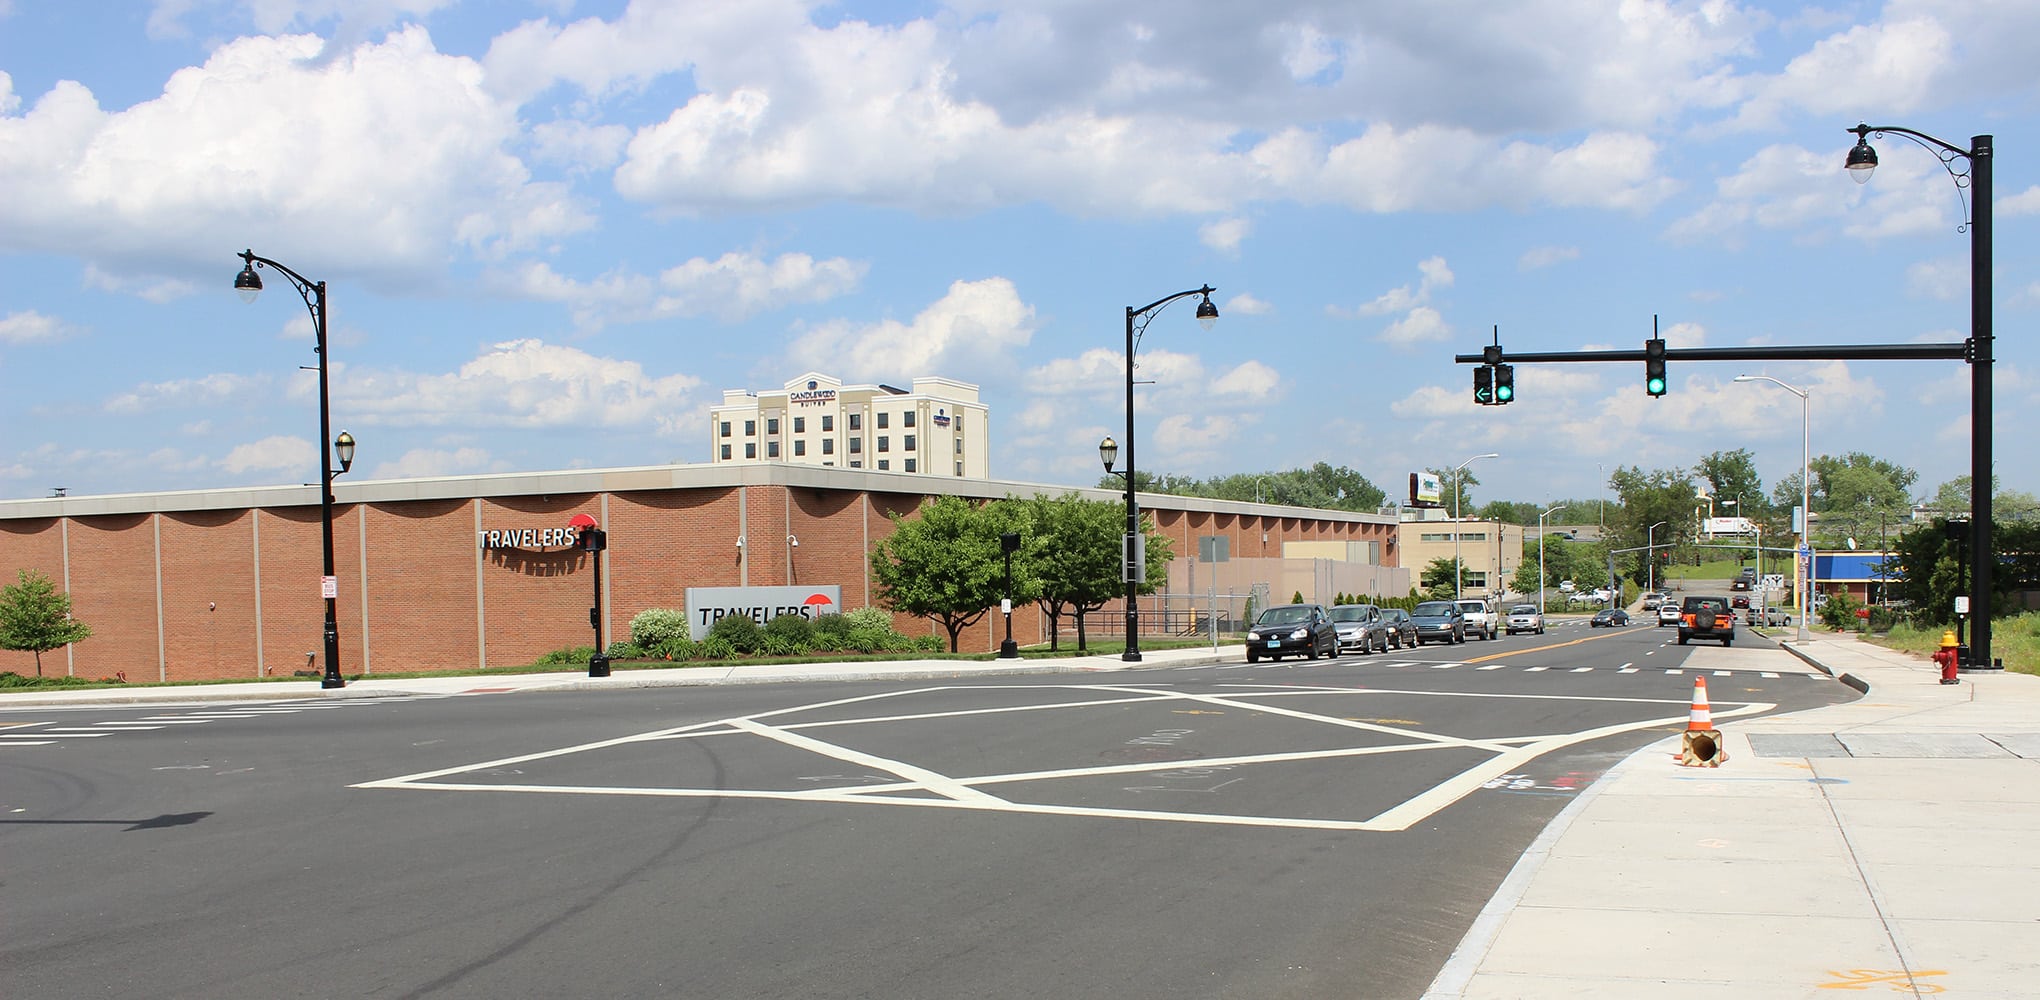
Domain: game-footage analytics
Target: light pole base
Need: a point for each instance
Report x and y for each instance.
(598, 666)
(1130, 657)
(1009, 650)
(331, 681)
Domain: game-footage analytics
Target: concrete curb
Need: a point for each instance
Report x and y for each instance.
(1862, 686)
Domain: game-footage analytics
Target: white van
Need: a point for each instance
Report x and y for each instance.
(1480, 617)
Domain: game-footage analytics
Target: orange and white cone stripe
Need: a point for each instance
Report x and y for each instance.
(1702, 721)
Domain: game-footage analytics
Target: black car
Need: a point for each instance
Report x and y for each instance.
(1610, 617)
(1440, 620)
(1292, 629)
(1401, 630)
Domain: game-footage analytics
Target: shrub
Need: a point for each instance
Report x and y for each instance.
(779, 645)
(790, 630)
(931, 644)
(716, 647)
(743, 634)
(625, 651)
(653, 626)
(678, 647)
(871, 640)
(863, 618)
(831, 632)
(570, 655)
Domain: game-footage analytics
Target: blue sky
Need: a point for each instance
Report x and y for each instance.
(555, 232)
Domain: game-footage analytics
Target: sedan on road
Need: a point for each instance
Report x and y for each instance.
(1525, 618)
(1667, 614)
(1360, 627)
(1609, 618)
(1402, 631)
(1291, 630)
(1439, 620)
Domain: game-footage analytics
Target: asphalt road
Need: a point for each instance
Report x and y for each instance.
(1304, 829)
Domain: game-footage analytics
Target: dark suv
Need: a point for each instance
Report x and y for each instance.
(1292, 629)
(1706, 618)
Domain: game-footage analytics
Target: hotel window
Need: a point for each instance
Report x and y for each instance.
(750, 428)
(959, 468)
(881, 420)
(726, 453)
(799, 448)
(856, 446)
(771, 449)
(855, 464)
(958, 419)
(883, 465)
(725, 428)
(883, 441)
(828, 424)
(800, 425)
(828, 446)
(856, 421)
(910, 442)
(750, 449)
(907, 419)
(910, 465)
(959, 446)
(772, 425)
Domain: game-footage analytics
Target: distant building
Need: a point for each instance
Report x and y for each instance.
(937, 428)
(1489, 551)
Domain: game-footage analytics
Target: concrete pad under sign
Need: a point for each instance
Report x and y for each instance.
(1797, 745)
(2025, 745)
(1940, 746)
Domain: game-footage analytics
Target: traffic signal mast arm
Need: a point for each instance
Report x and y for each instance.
(1827, 352)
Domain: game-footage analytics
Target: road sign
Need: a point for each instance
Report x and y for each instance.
(1214, 548)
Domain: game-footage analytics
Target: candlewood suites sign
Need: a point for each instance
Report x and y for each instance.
(708, 605)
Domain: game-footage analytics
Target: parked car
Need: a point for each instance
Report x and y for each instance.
(1402, 630)
(1706, 618)
(1480, 617)
(1739, 601)
(1668, 614)
(1655, 600)
(1609, 618)
(1439, 620)
(1772, 617)
(1291, 630)
(1360, 627)
(1525, 618)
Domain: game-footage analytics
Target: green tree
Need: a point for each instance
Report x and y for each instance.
(1071, 549)
(1439, 580)
(1660, 495)
(2005, 505)
(945, 564)
(35, 618)
(1459, 483)
(1732, 475)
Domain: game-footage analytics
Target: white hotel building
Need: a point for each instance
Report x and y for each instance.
(937, 428)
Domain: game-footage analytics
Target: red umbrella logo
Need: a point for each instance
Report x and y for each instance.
(818, 602)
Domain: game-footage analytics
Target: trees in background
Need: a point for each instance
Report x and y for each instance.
(36, 618)
(1322, 486)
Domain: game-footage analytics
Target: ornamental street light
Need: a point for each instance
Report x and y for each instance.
(249, 284)
(1976, 177)
(1540, 560)
(1133, 556)
(1649, 558)
(1458, 529)
(1802, 561)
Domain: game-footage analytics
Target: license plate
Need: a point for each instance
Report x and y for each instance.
(1274, 644)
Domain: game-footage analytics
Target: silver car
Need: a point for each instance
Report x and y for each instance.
(1360, 627)
(1526, 618)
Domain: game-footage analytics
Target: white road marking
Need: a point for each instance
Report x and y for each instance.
(1582, 670)
(67, 733)
(1769, 674)
(1535, 670)
(13, 741)
(1494, 666)
(126, 726)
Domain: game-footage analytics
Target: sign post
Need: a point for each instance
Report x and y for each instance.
(1213, 549)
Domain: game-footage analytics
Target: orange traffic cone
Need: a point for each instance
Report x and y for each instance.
(1702, 744)
(1701, 720)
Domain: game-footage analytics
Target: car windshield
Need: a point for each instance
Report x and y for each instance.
(1349, 614)
(1522, 609)
(1432, 608)
(1285, 616)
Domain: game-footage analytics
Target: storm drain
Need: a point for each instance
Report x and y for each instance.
(1930, 746)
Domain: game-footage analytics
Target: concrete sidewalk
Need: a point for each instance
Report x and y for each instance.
(1879, 847)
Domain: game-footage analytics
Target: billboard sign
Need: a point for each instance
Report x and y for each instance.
(708, 605)
(1428, 491)
(1730, 526)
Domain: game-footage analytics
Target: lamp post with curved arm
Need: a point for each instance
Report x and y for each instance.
(1649, 558)
(1978, 158)
(1540, 559)
(1133, 556)
(249, 284)
(1802, 561)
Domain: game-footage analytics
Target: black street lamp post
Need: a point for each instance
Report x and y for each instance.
(249, 285)
(1133, 555)
(1009, 543)
(1977, 178)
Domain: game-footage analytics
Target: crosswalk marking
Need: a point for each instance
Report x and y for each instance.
(1532, 670)
(1582, 670)
(1495, 666)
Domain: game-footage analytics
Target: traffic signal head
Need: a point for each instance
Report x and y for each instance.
(1505, 384)
(1484, 385)
(1654, 366)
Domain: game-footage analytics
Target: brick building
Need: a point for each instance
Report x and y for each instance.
(225, 583)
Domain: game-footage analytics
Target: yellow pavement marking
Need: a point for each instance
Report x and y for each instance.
(1539, 649)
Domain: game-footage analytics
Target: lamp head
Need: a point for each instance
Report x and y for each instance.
(1108, 450)
(1207, 314)
(248, 284)
(343, 446)
(1862, 158)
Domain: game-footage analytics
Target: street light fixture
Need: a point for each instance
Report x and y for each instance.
(1979, 156)
(1457, 528)
(1540, 560)
(1133, 559)
(248, 285)
(1802, 561)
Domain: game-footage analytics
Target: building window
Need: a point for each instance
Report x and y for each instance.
(881, 420)
(910, 465)
(828, 446)
(771, 425)
(750, 449)
(856, 446)
(959, 468)
(856, 464)
(907, 419)
(725, 453)
(910, 442)
(828, 423)
(856, 421)
(725, 428)
(799, 448)
(800, 425)
(958, 419)
(883, 464)
(959, 446)
(883, 442)
(750, 428)
(771, 449)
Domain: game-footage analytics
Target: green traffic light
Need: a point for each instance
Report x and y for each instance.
(1505, 393)
(1655, 387)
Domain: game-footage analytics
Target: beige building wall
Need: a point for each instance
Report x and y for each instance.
(1490, 551)
(939, 427)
